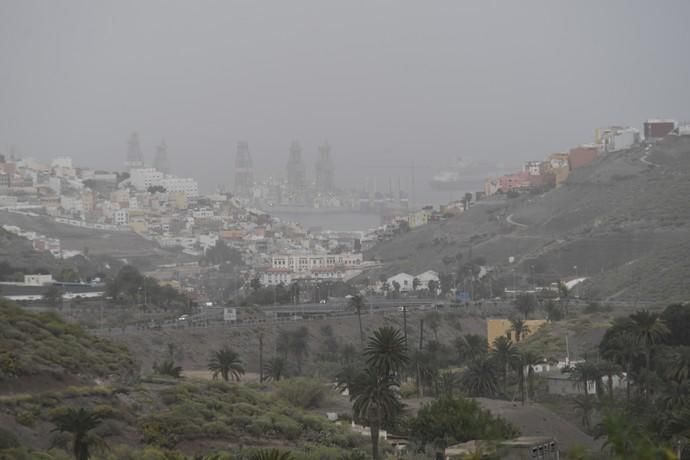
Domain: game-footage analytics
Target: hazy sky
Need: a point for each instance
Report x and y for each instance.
(386, 82)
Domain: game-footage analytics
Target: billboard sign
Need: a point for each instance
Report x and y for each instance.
(462, 296)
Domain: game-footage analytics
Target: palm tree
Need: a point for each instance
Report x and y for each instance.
(283, 343)
(275, 369)
(421, 367)
(585, 372)
(609, 369)
(626, 438)
(519, 366)
(432, 285)
(529, 360)
(272, 454)
(53, 296)
(650, 330)
(299, 346)
(504, 353)
(79, 423)
(520, 327)
(375, 398)
(563, 296)
(348, 353)
(471, 347)
(524, 303)
(479, 379)
(416, 283)
(396, 289)
(167, 367)
(449, 381)
(357, 303)
(260, 336)
(387, 351)
(676, 394)
(347, 377)
(226, 363)
(678, 363)
(584, 405)
(623, 348)
(433, 320)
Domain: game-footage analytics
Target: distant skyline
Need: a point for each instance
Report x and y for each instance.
(387, 83)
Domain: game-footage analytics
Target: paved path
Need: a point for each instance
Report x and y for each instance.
(644, 159)
(510, 220)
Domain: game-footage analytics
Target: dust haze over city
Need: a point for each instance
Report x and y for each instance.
(344, 230)
(388, 84)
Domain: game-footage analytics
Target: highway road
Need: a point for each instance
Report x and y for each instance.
(213, 317)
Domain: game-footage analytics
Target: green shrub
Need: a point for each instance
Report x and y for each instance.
(408, 390)
(287, 427)
(26, 418)
(57, 412)
(303, 392)
(216, 429)
(7, 439)
(105, 411)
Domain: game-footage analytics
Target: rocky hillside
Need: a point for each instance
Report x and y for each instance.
(41, 351)
(49, 369)
(624, 221)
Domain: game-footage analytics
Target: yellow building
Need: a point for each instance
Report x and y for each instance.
(137, 221)
(178, 200)
(502, 327)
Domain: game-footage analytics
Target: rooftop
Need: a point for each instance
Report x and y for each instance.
(527, 441)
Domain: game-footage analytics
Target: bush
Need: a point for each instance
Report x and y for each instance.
(26, 418)
(7, 439)
(408, 390)
(303, 392)
(450, 420)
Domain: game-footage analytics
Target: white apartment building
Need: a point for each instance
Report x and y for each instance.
(274, 277)
(121, 217)
(304, 263)
(143, 178)
(614, 139)
(62, 167)
(185, 185)
(38, 280)
(533, 167)
(203, 213)
(71, 203)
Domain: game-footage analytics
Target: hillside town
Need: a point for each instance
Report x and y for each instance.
(344, 230)
(171, 212)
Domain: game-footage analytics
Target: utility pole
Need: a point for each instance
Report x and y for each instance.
(404, 309)
(420, 385)
(421, 334)
(261, 356)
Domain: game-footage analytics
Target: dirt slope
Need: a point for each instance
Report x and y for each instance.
(532, 419)
(620, 220)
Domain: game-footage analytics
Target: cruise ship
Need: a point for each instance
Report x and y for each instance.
(465, 175)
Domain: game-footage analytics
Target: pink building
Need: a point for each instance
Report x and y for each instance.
(515, 181)
(582, 155)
